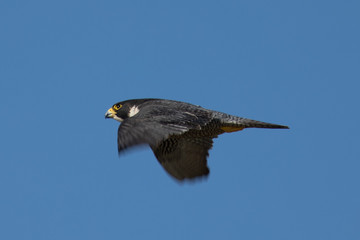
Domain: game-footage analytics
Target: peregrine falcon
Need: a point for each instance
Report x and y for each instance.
(180, 134)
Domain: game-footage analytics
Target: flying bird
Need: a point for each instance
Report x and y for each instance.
(180, 134)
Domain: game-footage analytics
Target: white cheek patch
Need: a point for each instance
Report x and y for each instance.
(133, 111)
(118, 118)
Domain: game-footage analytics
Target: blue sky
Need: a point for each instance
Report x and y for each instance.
(64, 63)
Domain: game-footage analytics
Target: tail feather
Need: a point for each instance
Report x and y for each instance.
(233, 123)
(249, 123)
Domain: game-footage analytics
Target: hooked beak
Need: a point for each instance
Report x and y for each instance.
(110, 113)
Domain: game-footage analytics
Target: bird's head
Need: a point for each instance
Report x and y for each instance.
(122, 110)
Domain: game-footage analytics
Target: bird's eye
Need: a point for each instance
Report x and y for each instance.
(117, 106)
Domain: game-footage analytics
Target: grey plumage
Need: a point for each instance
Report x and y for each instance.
(180, 134)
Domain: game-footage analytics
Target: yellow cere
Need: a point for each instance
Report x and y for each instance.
(111, 110)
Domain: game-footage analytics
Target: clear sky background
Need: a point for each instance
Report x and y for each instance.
(64, 63)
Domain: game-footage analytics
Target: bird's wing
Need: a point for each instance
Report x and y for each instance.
(184, 157)
(152, 127)
(137, 132)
